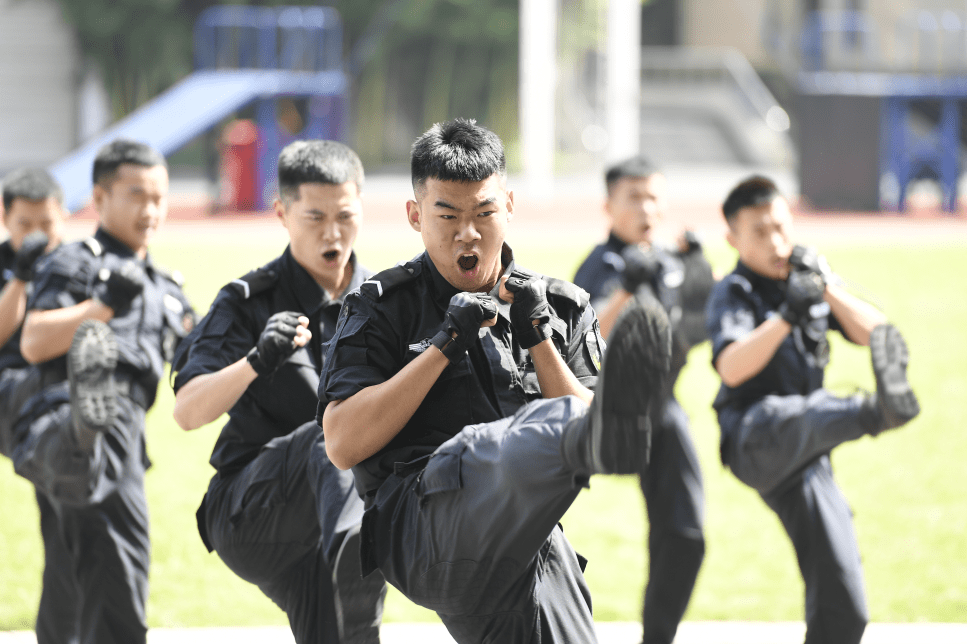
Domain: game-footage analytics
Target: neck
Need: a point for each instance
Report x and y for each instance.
(335, 288)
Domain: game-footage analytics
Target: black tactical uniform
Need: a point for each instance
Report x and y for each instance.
(277, 511)
(463, 504)
(96, 539)
(14, 370)
(778, 428)
(672, 481)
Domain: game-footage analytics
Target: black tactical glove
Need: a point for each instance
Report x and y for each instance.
(803, 289)
(466, 313)
(807, 258)
(120, 286)
(640, 268)
(31, 248)
(530, 305)
(276, 343)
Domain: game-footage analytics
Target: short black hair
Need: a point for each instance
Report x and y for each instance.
(328, 162)
(754, 191)
(457, 150)
(119, 152)
(32, 184)
(636, 167)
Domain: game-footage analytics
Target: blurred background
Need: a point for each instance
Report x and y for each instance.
(857, 102)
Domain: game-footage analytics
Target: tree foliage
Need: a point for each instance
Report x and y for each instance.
(431, 60)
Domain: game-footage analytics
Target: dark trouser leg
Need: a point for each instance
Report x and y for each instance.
(474, 536)
(57, 619)
(781, 435)
(263, 522)
(16, 387)
(818, 520)
(358, 600)
(672, 487)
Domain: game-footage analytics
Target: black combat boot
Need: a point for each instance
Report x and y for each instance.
(91, 361)
(896, 404)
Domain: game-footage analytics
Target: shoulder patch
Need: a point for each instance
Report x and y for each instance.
(254, 282)
(94, 246)
(385, 281)
(567, 290)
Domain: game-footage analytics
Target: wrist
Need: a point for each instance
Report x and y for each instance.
(254, 359)
(448, 346)
(533, 334)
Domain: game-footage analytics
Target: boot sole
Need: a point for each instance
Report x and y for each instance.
(91, 361)
(358, 600)
(890, 357)
(633, 374)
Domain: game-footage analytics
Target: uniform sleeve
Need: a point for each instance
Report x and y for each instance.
(61, 280)
(729, 316)
(363, 351)
(222, 338)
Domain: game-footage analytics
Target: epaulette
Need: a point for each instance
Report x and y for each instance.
(94, 246)
(385, 281)
(172, 276)
(567, 290)
(254, 282)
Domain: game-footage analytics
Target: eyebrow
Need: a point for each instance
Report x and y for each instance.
(440, 203)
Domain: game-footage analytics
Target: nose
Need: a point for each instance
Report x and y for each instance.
(467, 232)
(780, 244)
(330, 232)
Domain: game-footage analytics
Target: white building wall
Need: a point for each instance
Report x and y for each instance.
(39, 65)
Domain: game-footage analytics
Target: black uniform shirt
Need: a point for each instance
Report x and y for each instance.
(272, 405)
(681, 285)
(10, 357)
(390, 320)
(147, 332)
(741, 302)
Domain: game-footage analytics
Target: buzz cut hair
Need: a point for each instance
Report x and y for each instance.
(317, 161)
(457, 150)
(30, 184)
(752, 192)
(120, 152)
(636, 167)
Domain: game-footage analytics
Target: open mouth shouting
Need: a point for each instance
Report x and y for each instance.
(331, 256)
(468, 264)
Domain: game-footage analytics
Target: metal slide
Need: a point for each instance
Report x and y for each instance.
(186, 110)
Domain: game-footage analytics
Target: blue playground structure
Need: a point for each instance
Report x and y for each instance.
(242, 55)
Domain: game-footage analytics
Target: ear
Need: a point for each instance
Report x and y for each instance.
(413, 216)
(510, 205)
(280, 212)
(730, 237)
(100, 194)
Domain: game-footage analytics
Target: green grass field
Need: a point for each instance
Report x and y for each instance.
(906, 487)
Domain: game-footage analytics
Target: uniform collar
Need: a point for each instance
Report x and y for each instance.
(113, 245)
(615, 243)
(442, 290)
(307, 291)
(760, 283)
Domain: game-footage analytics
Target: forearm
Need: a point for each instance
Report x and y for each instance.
(48, 334)
(361, 425)
(553, 375)
(745, 358)
(608, 315)
(206, 397)
(13, 305)
(858, 318)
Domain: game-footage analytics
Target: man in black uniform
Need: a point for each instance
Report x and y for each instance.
(768, 321)
(432, 392)
(101, 321)
(33, 213)
(278, 513)
(680, 279)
